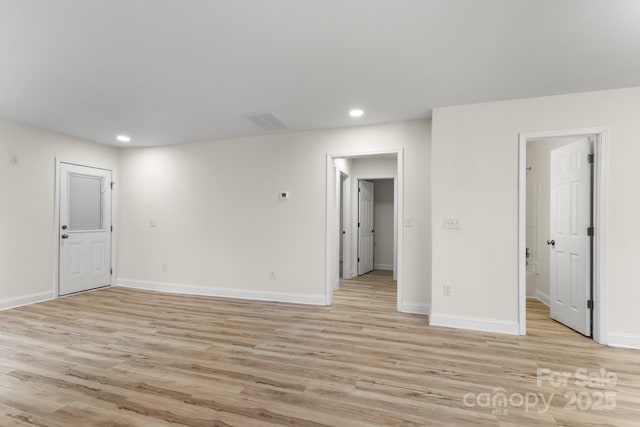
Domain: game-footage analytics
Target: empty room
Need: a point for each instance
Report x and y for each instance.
(319, 212)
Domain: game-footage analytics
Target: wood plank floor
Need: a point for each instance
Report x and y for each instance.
(120, 357)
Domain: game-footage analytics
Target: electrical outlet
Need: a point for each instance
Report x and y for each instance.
(272, 275)
(153, 223)
(452, 223)
(446, 289)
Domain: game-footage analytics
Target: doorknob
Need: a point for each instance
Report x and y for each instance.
(551, 242)
(64, 227)
(65, 236)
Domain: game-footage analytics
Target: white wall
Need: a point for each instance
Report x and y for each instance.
(27, 214)
(371, 167)
(221, 226)
(475, 178)
(539, 160)
(383, 224)
(341, 166)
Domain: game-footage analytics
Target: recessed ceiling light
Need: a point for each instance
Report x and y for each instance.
(123, 138)
(356, 112)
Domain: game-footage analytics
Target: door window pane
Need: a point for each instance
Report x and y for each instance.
(85, 202)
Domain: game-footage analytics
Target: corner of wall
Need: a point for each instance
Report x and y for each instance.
(416, 308)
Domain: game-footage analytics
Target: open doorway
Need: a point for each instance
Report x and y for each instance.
(559, 220)
(345, 173)
(365, 227)
(376, 218)
(561, 227)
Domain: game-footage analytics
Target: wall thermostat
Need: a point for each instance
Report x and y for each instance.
(285, 195)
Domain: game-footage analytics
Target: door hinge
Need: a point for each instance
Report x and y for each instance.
(358, 259)
(112, 228)
(590, 231)
(111, 271)
(590, 304)
(112, 184)
(358, 224)
(358, 189)
(590, 158)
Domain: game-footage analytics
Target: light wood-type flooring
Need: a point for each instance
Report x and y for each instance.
(121, 357)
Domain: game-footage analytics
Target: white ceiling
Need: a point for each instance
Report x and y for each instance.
(172, 71)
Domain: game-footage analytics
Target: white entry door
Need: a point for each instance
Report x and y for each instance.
(570, 242)
(365, 227)
(84, 229)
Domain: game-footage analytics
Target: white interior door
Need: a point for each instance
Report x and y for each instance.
(570, 243)
(84, 229)
(365, 227)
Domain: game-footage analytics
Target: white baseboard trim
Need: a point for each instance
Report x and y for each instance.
(624, 340)
(416, 309)
(8, 303)
(474, 323)
(179, 288)
(383, 267)
(543, 298)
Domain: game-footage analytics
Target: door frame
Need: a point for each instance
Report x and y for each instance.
(356, 197)
(345, 187)
(356, 218)
(599, 190)
(331, 225)
(56, 223)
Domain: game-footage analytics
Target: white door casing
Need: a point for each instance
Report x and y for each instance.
(365, 226)
(569, 241)
(343, 239)
(84, 228)
(532, 227)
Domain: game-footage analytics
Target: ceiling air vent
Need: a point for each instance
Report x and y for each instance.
(268, 121)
